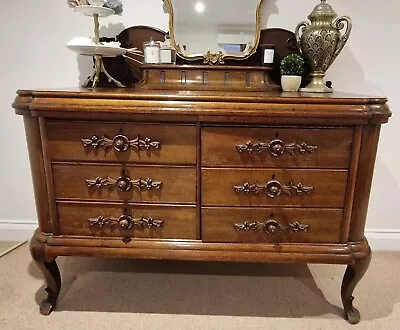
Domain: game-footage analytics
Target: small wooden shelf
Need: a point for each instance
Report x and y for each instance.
(202, 77)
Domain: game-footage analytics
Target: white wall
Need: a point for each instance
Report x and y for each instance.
(33, 55)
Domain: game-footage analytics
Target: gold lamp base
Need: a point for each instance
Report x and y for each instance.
(317, 84)
(99, 68)
(93, 81)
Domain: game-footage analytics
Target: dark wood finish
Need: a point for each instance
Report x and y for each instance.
(126, 71)
(218, 225)
(327, 148)
(179, 222)
(32, 131)
(51, 273)
(354, 273)
(167, 185)
(218, 187)
(49, 177)
(352, 177)
(203, 211)
(177, 143)
(369, 146)
(196, 77)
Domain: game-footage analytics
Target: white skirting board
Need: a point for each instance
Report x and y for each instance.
(16, 230)
(380, 240)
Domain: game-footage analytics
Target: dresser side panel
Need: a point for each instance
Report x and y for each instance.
(369, 146)
(35, 151)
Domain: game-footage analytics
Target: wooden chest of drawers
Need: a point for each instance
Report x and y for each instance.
(250, 177)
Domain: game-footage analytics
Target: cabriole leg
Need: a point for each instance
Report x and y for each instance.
(51, 274)
(354, 273)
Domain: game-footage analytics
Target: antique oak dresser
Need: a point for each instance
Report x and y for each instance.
(202, 175)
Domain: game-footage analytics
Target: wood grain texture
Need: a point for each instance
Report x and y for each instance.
(179, 222)
(319, 215)
(218, 225)
(328, 187)
(333, 147)
(49, 177)
(177, 143)
(369, 146)
(280, 107)
(178, 185)
(352, 177)
(35, 150)
(206, 77)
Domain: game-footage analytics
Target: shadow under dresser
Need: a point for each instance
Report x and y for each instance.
(207, 175)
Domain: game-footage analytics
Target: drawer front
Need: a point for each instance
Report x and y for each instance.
(138, 221)
(128, 183)
(271, 225)
(276, 147)
(258, 187)
(138, 143)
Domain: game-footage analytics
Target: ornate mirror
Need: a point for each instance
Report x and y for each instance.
(214, 30)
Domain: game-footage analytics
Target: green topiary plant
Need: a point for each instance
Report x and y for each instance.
(292, 65)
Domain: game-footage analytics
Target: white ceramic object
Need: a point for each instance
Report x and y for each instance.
(99, 3)
(92, 50)
(81, 41)
(93, 10)
(112, 44)
(291, 83)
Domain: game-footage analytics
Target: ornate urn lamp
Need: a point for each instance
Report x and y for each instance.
(320, 42)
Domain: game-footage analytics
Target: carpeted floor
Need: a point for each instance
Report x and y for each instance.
(126, 294)
(5, 245)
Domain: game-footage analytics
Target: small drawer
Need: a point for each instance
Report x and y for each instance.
(264, 225)
(259, 187)
(113, 142)
(133, 221)
(127, 183)
(276, 147)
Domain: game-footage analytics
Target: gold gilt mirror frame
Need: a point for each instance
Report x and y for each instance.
(210, 57)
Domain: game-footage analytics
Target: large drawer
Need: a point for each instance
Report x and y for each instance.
(271, 225)
(265, 187)
(134, 221)
(128, 183)
(125, 142)
(276, 147)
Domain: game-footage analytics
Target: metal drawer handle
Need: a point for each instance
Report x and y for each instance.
(274, 188)
(276, 147)
(125, 222)
(121, 143)
(271, 227)
(123, 183)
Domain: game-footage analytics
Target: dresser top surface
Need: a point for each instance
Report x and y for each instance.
(209, 96)
(203, 106)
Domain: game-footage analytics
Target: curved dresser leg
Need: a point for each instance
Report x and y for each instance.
(51, 273)
(354, 273)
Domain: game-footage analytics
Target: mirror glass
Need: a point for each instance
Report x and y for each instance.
(227, 27)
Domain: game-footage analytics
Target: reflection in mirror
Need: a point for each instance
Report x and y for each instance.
(214, 29)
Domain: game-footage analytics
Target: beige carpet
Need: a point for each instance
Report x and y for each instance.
(5, 245)
(126, 294)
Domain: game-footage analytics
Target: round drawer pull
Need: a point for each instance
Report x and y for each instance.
(272, 227)
(121, 143)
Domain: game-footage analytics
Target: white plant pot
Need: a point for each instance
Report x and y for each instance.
(291, 83)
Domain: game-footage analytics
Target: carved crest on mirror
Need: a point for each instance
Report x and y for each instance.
(214, 31)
